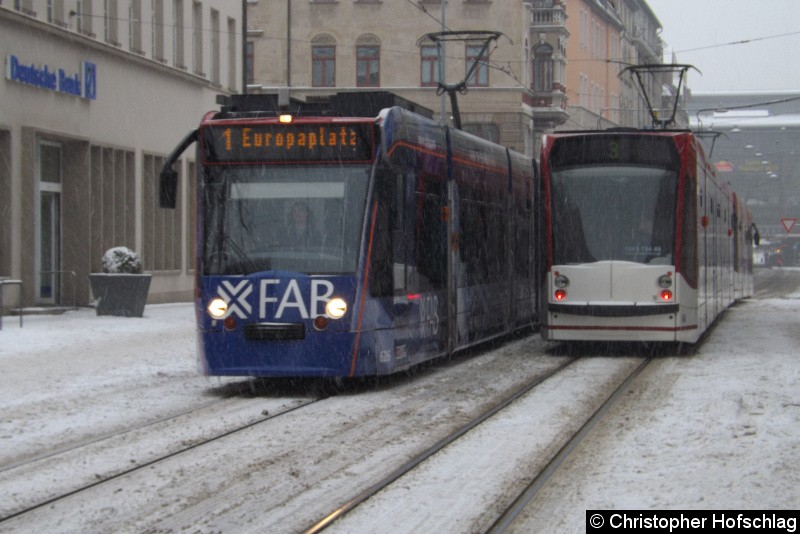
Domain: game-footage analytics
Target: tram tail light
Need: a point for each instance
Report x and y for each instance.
(560, 294)
(666, 295)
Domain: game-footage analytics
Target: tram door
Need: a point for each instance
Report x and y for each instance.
(48, 231)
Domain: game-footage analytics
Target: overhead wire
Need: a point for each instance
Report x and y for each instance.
(732, 43)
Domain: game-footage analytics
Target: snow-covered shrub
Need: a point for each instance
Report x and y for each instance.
(121, 260)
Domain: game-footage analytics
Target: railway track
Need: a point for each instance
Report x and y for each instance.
(430, 451)
(507, 518)
(311, 464)
(77, 467)
(491, 507)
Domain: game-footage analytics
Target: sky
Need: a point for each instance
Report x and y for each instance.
(768, 61)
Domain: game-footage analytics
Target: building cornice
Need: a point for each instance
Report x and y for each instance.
(71, 36)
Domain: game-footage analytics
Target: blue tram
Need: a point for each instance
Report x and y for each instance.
(342, 246)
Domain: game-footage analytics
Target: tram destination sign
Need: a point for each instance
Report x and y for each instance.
(288, 143)
(608, 149)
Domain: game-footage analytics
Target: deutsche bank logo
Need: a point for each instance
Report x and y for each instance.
(89, 80)
(236, 297)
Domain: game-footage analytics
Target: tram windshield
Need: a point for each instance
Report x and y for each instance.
(300, 218)
(613, 213)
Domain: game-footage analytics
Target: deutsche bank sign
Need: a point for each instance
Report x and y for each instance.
(82, 84)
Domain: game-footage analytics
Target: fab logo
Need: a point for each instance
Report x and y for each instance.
(292, 299)
(235, 296)
(278, 299)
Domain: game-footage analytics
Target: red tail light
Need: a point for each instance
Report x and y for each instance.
(230, 322)
(560, 294)
(666, 295)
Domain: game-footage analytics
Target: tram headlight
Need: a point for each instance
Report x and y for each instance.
(664, 281)
(336, 308)
(217, 308)
(561, 281)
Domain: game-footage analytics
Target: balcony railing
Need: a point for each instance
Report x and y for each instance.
(548, 16)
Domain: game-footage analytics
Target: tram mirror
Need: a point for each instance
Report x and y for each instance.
(168, 190)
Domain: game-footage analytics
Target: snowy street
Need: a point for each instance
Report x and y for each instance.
(107, 426)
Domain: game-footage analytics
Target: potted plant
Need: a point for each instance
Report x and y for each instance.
(121, 289)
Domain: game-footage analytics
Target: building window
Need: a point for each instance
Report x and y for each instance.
(79, 16)
(177, 34)
(543, 68)
(323, 66)
(113, 218)
(248, 62)
(368, 66)
(110, 22)
(135, 27)
(583, 33)
(157, 30)
(583, 91)
(86, 18)
(480, 76)
(232, 81)
(161, 229)
(197, 39)
(429, 66)
(215, 47)
(55, 12)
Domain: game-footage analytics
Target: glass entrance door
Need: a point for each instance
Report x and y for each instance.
(48, 256)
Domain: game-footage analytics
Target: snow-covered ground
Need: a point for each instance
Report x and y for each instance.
(719, 429)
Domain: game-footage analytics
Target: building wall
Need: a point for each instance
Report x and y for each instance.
(592, 82)
(111, 146)
(277, 32)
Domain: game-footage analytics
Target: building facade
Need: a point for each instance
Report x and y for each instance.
(319, 47)
(606, 37)
(95, 95)
(753, 140)
(556, 63)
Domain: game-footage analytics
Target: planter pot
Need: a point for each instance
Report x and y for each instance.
(123, 295)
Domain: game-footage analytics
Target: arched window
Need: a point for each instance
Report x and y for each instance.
(480, 76)
(429, 65)
(543, 68)
(323, 61)
(368, 61)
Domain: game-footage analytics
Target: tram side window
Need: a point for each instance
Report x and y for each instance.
(481, 245)
(430, 236)
(496, 245)
(471, 243)
(522, 241)
(688, 245)
(388, 187)
(736, 236)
